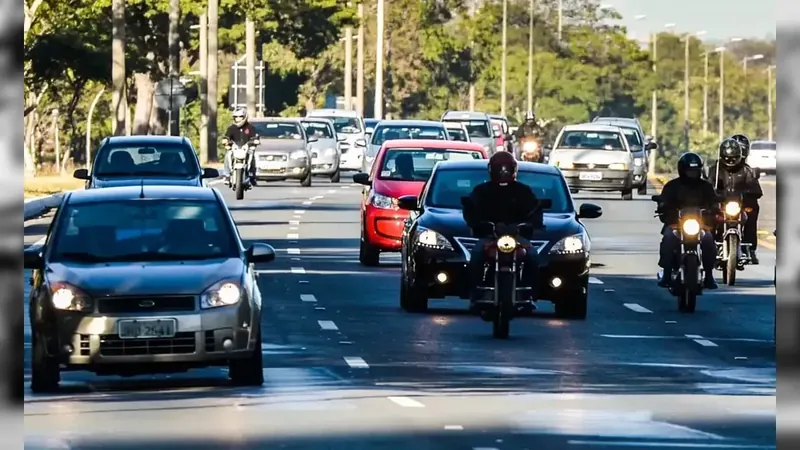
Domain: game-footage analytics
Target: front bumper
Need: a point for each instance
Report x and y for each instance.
(610, 180)
(384, 228)
(198, 341)
(281, 167)
(352, 159)
(325, 164)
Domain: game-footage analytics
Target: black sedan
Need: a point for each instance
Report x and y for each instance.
(151, 160)
(146, 279)
(436, 241)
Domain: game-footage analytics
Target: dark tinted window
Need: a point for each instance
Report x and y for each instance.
(632, 135)
(394, 132)
(153, 159)
(476, 128)
(278, 130)
(319, 129)
(416, 164)
(457, 134)
(346, 125)
(592, 140)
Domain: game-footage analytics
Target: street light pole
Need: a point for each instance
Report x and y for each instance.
(378, 113)
(686, 92)
(769, 101)
(503, 60)
(560, 19)
(705, 96)
(721, 129)
(530, 56)
(360, 61)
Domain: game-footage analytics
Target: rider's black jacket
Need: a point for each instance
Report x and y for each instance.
(740, 179)
(241, 136)
(682, 193)
(511, 204)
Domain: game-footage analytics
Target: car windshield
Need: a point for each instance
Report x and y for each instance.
(346, 125)
(278, 130)
(143, 160)
(449, 186)
(503, 125)
(632, 135)
(395, 132)
(592, 140)
(457, 134)
(764, 146)
(143, 230)
(416, 164)
(319, 129)
(476, 128)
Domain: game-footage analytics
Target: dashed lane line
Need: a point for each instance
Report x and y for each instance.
(294, 222)
(406, 402)
(453, 427)
(700, 340)
(299, 211)
(355, 362)
(331, 191)
(298, 270)
(593, 280)
(307, 202)
(292, 236)
(654, 444)
(308, 298)
(327, 325)
(294, 251)
(637, 308)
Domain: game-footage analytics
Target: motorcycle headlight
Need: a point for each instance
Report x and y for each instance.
(618, 166)
(638, 162)
(733, 209)
(240, 153)
(299, 154)
(530, 146)
(224, 293)
(570, 245)
(506, 244)
(69, 298)
(382, 201)
(691, 227)
(432, 239)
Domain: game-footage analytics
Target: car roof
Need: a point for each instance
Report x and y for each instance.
(410, 123)
(454, 125)
(146, 140)
(316, 119)
(434, 143)
(593, 127)
(498, 117)
(627, 120)
(761, 141)
(523, 166)
(123, 193)
(470, 115)
(296, 120)
(332, 112)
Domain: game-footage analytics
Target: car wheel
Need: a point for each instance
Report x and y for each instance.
(627, 194)
(367, 254)
(336, 177)
(642, 190)
(248, 371)
(45, 372)
(573, 306)
(416, 298)
(306, 182)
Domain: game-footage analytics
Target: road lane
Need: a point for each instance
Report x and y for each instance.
(624, 376)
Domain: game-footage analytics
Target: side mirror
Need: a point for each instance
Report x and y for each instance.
(361, 143)
(589, 211)
(208, 172)
(408, 202)
(340, 138)
(656, 198)
(81, 174)
(32, 257)
(313, 139)
(362, 178)
(260, 253)
(650, 146)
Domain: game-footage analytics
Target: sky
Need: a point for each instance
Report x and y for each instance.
(721, 19)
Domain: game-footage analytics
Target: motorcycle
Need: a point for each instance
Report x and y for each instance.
(241, 160)
(732, 254)
(531, 149)
(686, 279)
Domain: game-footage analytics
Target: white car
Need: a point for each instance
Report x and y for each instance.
(456, 131)
(762, 156)
(350, 125)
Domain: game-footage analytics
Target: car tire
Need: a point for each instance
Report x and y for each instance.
(627, 194)
(367, 254)
(248, 371)
(642, 190)
(45, 371)
(306, 182)
(416, 299)
(336, 177)
(574, 307)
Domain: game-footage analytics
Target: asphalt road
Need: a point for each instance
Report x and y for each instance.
(345, 368)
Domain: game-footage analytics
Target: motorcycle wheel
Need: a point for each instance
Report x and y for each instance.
(729, 275)
(239, 184)
(501, 325)
(687, 301)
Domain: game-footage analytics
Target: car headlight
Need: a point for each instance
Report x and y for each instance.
(571, 245)
(733, 209)
(382, 201)
(240, 153)
(691, 227)
(432, 239)
(224, 293)
(506, 244)
(618, 166)
(638, 162)
(69, 298)
(299, 154)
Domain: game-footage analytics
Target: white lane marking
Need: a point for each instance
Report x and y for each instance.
(294, 251)
(485, 448)
(294, 222)
(327, 325)
(292, 228)
(317, 197)
(308, 298)
(637, 308)
(346, 187)
(308, 202)
(355, 362)
(299, 211)
(593, 280)
(706, 343)
(406, 402)
(665, 444)
(292, 236)
(298, 270)
(331, 191)
(693, 336)
(295, 259)
(453, 427)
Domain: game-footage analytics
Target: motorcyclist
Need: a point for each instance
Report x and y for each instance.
(240, 132)
(689, 190)
(530, 128)
(731, 174)
(504, 200)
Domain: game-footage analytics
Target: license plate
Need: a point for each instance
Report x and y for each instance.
(143, 329)
(270, 165)
(590, 176)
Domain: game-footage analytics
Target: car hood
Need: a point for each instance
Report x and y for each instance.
(450, 223)
(100, 182)
(281, 145)
(589, 156)
(397, 189)
(323, 144)
(147, 278)
(484, 141)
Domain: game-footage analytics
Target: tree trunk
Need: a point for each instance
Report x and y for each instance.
(119, 103)
(145, 88)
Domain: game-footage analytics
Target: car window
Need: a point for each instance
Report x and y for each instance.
(476, 128)
(346, 125)
(319, 129)
(278, 130)
(763, 146)
(406, 164)
(394, 132)
(143, 230)
(154, 159)
(592, 140)
(448, 187)
(632, 135)
(457, 134)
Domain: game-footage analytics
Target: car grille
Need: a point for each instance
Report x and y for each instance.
(181, 344)
(467, 243)
(590, 166)
(116, 305)
(273, 158)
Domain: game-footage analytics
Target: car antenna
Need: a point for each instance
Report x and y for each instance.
(141, 192)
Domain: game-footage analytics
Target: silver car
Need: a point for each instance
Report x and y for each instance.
(284, 152)
(326, 152)
(390, 130)
(478, 125)
(595, 157)
(350, 125)
(641, 146)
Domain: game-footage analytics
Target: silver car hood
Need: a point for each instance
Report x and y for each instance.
(281, 145)
(323, 144)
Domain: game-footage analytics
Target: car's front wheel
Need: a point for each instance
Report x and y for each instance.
(248, 371)
(574, 306)
(45, 372)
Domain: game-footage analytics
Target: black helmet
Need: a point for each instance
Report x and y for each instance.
(730, 152)
(744, 142)
(502, 168)
(690, 165)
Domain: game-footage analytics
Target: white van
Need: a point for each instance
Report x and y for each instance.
(350, 125)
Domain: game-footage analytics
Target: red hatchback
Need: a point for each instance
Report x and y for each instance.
(401, 168)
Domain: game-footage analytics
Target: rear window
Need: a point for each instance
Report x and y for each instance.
(632, 135)
(476, 128)
(278, 130)
(395, 132)
(592, 140)
(416, 164)
(146, 159)
(457, 134)
(763, 146)
(319, 129)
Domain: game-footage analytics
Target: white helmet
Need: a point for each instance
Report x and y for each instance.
(239, 116)
(529, 116)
